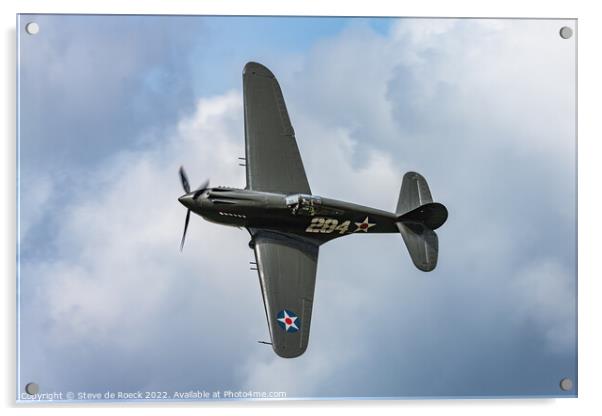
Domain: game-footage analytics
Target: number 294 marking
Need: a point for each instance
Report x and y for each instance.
(327, 225)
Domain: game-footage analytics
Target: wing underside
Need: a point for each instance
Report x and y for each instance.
(287, 274)
(273, 161)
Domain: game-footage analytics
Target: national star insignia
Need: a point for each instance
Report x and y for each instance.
(288, 320)
(364, 225)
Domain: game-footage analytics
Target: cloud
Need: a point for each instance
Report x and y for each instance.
(90, 87)
(547, 295)
(39, 194)
(89, 83)
(118, 278)
(463, 102)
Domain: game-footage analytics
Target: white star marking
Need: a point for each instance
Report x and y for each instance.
(364, 225)
(292, 319)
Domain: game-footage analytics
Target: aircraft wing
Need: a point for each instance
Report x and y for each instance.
(273, 161)
(287, 274)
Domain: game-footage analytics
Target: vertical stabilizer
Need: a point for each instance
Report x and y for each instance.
(419, 216)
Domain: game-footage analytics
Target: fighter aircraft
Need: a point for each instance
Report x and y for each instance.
(287, 223)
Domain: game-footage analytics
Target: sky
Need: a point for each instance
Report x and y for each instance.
(111, 106)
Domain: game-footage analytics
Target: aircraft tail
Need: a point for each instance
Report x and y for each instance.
(418, 217)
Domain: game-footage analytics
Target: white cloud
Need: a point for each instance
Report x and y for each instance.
(503, 82)
(119, 239)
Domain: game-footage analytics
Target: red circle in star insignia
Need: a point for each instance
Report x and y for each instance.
(288, 321)
(364, 225)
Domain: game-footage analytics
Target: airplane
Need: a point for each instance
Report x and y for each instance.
(288, 223)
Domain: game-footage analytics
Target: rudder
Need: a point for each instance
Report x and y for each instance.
(422, 244)
(414, 193)
(418, 217)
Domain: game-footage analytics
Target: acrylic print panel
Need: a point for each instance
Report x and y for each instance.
(109, 109)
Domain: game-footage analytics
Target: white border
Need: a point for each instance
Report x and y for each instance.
(590, 347)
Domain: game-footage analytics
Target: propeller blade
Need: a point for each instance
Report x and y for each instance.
(184, 180)
(185, 228)
(200, 189)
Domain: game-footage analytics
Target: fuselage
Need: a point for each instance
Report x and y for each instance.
(306, 215)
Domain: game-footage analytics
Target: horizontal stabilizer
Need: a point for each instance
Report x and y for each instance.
(433, 215)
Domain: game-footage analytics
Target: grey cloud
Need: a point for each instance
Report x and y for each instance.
(89, 82)
(90, 85)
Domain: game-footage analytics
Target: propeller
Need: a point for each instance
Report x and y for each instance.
(200, 189)
(196, 194)
(186, 185)
(185, 228)
(184, 180)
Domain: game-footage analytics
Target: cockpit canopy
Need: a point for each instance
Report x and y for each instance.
(303, 204)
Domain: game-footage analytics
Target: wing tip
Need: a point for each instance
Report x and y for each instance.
(426, 266)
(413, 175)
(255, 68)
(288, 353)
